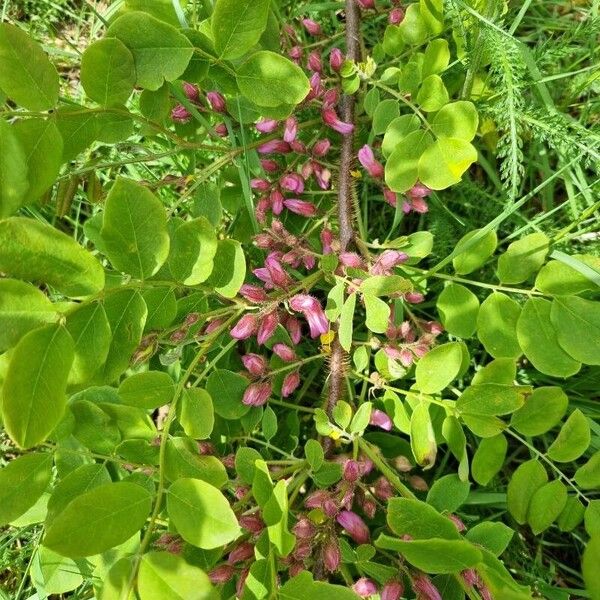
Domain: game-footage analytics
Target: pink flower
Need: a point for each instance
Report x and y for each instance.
(355, 527)
(304, 528)
(257, 394)
(221, 130)
(351, 471)
(326, 240)
(270, 166)
(390, 197)
(261, 185)
(300, 207)
(266, 125)
(245, 327)
(267, 327)
(424, 588)
(383, 489)
(321, 148)
(290, 383)
(217, 102)
(255, 364)
(364, 588)
(367, 160)
(330, 98)
(387, 260)
(221, 574)
(369, 507)
(292, 182)
(322, 175)
(366, 4)
(284, 352)
(279, 277)
(316, 499)
(272, 146)
(293, 328)
(253, 293)
(414, 297)
(332, 555)
(312, 27)
(314, 62)
(252, 523)
(191, 91)
(240, 554)
(315, 86)
(336, 59)
(290, 130)
(180, 114)
(276, 198)
(213, 326)
(396, 16)
(312, 310)
(380, 419)
(331, 119)
(351, 259)
(295, 53)
(392, 590)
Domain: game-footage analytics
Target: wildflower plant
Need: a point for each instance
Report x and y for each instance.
(252, 376)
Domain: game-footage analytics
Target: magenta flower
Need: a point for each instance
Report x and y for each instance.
(253, 293)
(326, 240)
(316, 499)
(266, 125)
(383, 489)
(355, 527)
(245, 327)
(217, 102)
(221, 130)
(180, 114)
(270, 166)
(366, 4)
(284, 352)
(294, 328)
(351, 259)
(367, 160)
(314, 62)
(300, 207)
(351, 471)
(276, 199)
(255, 364)
(262, 185)
(290, 383)
(257, 394)
(424, 588)
(390, 197)
(315, 86)
(290, 130)
(252, 523)
(221, 574)
(321, 148)
(292, 182)
(295, 53)
(278, 275)
(312, 27)
(364, 587)
(274, 146)
(380, 419)
(336, 59)
(331, 119)
(312, 310)
(330, 98)
(392, 590)
(332, 555)
(414, 297)
(396, 16)
(240, 554)
(387, 260)
(267, 327)
(322, 175)
(304, 528)
(191, 91)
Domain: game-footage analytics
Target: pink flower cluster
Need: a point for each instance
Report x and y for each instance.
(406, 344)
(213, 101)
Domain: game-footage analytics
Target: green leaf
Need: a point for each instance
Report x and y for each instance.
(193, 249)
(14, 184)
(227, 388)
(546, 505)
(166, 576)
(22, 308)
(500, 370)
(559, 279)
(148, 390)
(497, 326)
(108, 72)
(314, 454)
(22, 481)
(523, 258)
(78, 128)
(432, 13)
(396, 131)
(587, 476)
(491, 399)
(572, 514)
(378, 313)
(577, 325)
(361, 418)
(470, 254)
(542, 411)
(589, 567)
(90, 330)
(159, 51)
(402, 166)
(456, 120)
(197, 413)
(572, 440)
(182, 460)
(458, 308)
(162, 307)
(526, 480)
(488, 458)
(422, 436)
(437, 58)
(237, 26)
(302, 586)
(539, 341)
(495, 536)
(245, 459)
(433, 95)
(201, 514)
(384, 285)
(413, 27)
(37, 252)
(419, 520)
(93, 427)
(26, 74)
(229, 269)
(445, 161)
(439, 368)
(346, 324)
(134, 229)
(342, 413)
(448, 493)
(126, 312)
(33, 394)
(268, 79)
(98, 520)
(592, 518)
(54, 574)
(43, 147)
(434, 555)
(385, 112)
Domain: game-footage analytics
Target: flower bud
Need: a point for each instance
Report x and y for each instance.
(304, 528)
(316, 499)
(312, 27)
(255, 364)
(180, 114)
(274, 146)
(266, 125)
(290, 130)
(245, 327)
(332, 555)
(221, 130)
(253, 293)
(458, 522)
(380, 419)
(279, 277)
(367, 160)
(396, 16)
(392, 590)
(330, 508)
(312, 310)
(336, 59)
(292, 182)
(290, 383)
(418, 483)
(321, 147)
(387, 260)
(369, 507)
(351, 259)
(300, 207)
(390, 197)
(191, 91)
(257, 394)
(351, 471)
(217, 102)
(355, 527)
(326, 240)
(242, 553)
(424, 588)
(303, 549)
(262, 185)
(252, 523)
(221, 574)
(414, 297)
(314, 62)
(364, 587)
(294, 328)
(206, 448)
(295, 53)
(276, 198)
(284, 352)
(383, 489)
(267, 327)
(270, 166)
(331, 119)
